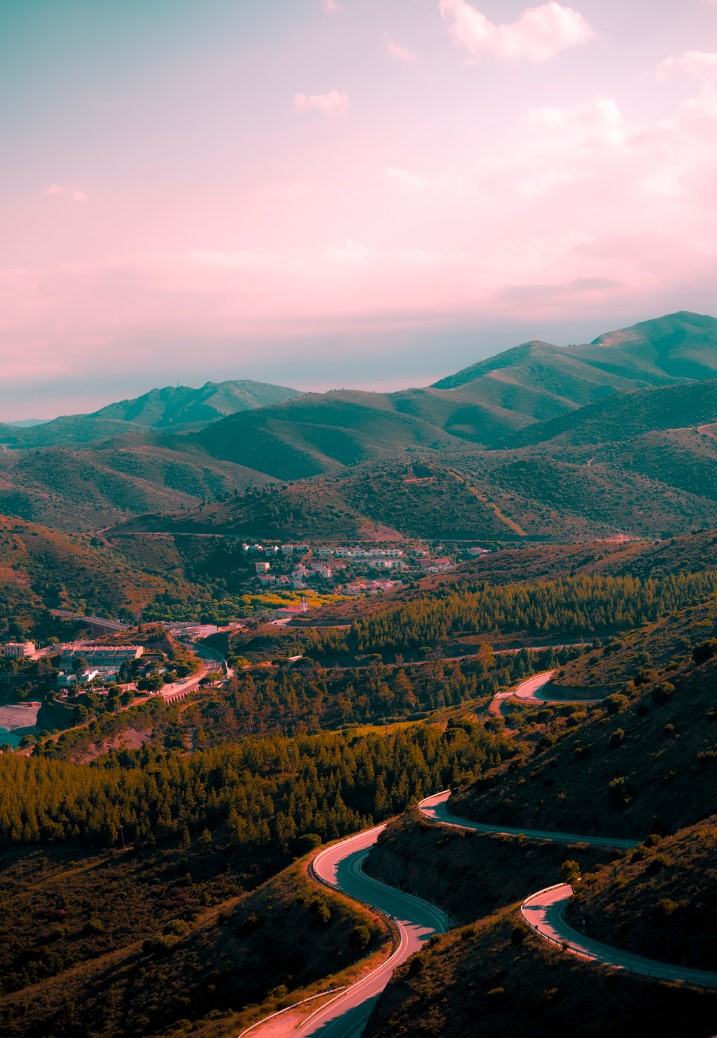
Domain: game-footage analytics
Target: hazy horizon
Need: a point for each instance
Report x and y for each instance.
(135, 384)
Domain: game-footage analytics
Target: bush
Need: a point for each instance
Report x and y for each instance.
(704, 651)
(615, 703)
(319, 908)
(360, 937)
(619, 792)
(570, 872)
(617, 738)
(663, 693)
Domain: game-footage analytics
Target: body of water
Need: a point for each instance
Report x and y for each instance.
(16, 720)
(10, 738)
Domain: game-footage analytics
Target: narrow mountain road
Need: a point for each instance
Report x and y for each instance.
(543, 912)
(435, 809)
(466, 656)
(341, 867)
(530, 691)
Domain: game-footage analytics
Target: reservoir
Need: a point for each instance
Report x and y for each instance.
(16, 720)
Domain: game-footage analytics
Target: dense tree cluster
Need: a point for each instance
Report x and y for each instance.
(248, 795)
(309, 697)
(571, 606)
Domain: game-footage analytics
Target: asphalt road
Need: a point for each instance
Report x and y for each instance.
(530, 691)
(435, 808)
(544, 910)
(340, 866)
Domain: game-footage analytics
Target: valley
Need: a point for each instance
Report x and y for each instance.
(258, 631)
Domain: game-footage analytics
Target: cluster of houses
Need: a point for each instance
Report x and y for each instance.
(278, 568)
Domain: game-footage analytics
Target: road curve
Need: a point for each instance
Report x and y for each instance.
(415, 920)
(435, 808)
(543, 912)
(530, 691)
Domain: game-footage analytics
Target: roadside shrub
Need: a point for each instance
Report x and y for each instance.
(619, 792)
(615, 703)
(570, 872)
(360, 937)
(319, 908)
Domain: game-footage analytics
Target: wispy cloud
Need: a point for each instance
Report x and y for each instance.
(401, 53)
(586, 126)
(540, 32)
(698, 64)
(412, 183)
(333, 101)
(67, 192)
(332, 6)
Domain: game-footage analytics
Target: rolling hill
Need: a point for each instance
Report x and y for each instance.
(100, 485)
(658, 352)
(686, 405)
(619, 436)
(171, 408)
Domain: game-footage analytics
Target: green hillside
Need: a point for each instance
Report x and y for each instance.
(170, 408)
(96, 486)
(689, 404)
(660, 903)
(655, 775)
(42, 568)
(652, 353)
(319, 434)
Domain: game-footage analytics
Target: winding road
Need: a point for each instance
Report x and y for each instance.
(415, 920)
(530, 691)
(544, 911)
(435, 810)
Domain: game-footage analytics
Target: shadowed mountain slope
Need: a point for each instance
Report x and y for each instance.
(686, 405)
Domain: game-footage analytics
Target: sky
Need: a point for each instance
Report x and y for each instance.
(331, 193)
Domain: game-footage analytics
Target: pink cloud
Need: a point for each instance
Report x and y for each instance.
(67, 192)
(540, 32)
(696, 63)
(332, 6)
(333, 101)
(397, 50)
(585, 126)
(412, 183)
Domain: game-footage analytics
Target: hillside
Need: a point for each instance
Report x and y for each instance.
(586, 450)
(495, 978)
(319, 433)
(99, 485)
(693, 404)
(119, 928)
(170, 408)
(660, 902)
(42, 568)
(638, 765)
(652, 353)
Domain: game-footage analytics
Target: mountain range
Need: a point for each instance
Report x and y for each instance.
(619, 435)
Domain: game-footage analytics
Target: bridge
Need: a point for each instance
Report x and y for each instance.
(99, 622)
